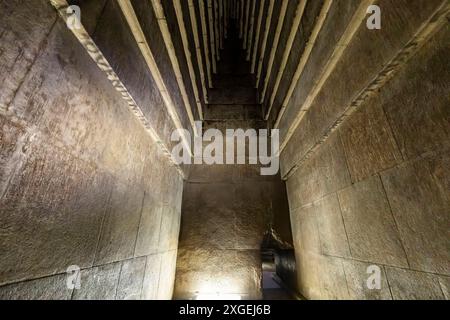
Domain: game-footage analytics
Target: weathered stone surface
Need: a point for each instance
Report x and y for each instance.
(226, 271)
(305, 186)
(311, 11)
(306, 234)
(150, 27)
(170, 229)
(253, 205)
(120, 225)
(151, 278)
(232, 112)
(422, 123)
(208, 216)
(371, 228)
(321, 277)
(330, 225)
(357, 275)
(99, 283)
(11, 139)
(49, 288)
(237, 95)
(167, 275)
(91, 11)
(368, 142)
(445, 286)
(363, 60)
(324, 173)
(68, 140)
(131, 279)
(147, 241)
(412, 285)
(337, 20)
(33, 205)
(420, 207)
(27, 35)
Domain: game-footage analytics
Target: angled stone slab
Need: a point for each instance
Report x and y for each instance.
(413, 285)
(372, 233)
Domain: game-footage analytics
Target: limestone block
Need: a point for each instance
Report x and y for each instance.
(26, 25)
(305, 186)
(149, 228)
(368, 142)
(306, 232)
(150, 27)
(363, 59)
(50, 221)
(170, 229)
(412, 285)
(445, 286)
(151, 278)
(90, 12)
(131, 279)
(330, 225)
(253, 202)
(356, 273)
(99, 283)
(420, 207)
(307, 24)
(167, 275)
(49, 288)
(120, 225)
(307, 276)
(321, 277)
(208, 216)
(332, 165)
(337, 20)
(422, 123)
(372, 233)
(232, 96)
(208, 271)
(11, 139)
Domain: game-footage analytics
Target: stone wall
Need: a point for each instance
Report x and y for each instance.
(81, 180)
(227, 210)
(367, 167)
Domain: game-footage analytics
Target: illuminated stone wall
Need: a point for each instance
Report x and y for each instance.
(81, 180)
(367, 167)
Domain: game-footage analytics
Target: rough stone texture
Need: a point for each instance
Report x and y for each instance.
(411, 285)
(228, 209)
(119, 227)
(396, 150)
(321, 277)
(363, 60)
(28, 37)
(49, 288)
(209, 271)
(368, 142)
(330, 224)
(371, 229)
(147, 241)
(420, 206)
(151, 278)
(76, 163)
(357, 276)
(445, 286)
(131, 279)
(150, 27)
(325, 173)
(337, 19)
(422, 124)
(99, 283)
